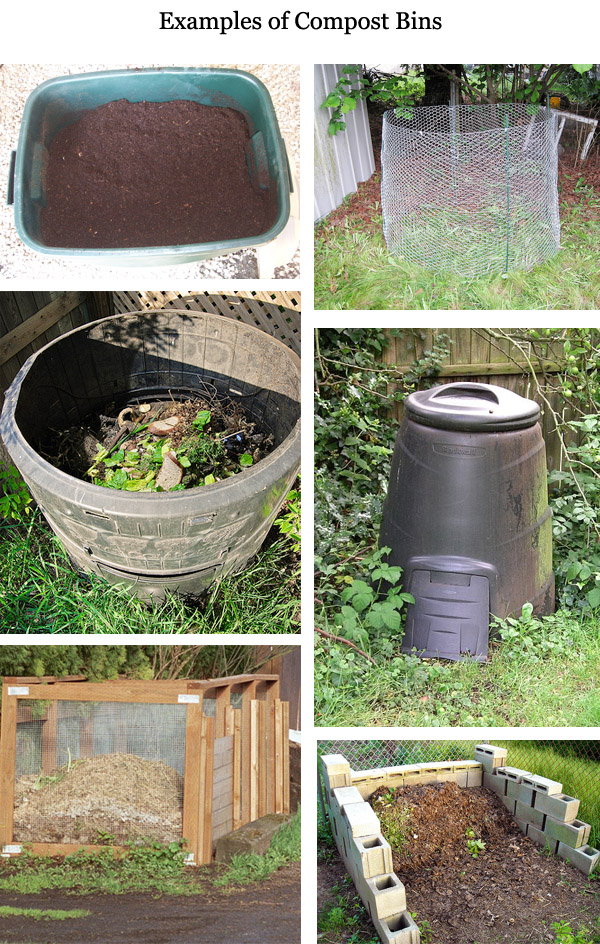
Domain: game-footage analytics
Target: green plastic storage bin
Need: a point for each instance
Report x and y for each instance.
(61, 101)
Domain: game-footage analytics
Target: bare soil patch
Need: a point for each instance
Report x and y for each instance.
(117, 794)
(264, 913)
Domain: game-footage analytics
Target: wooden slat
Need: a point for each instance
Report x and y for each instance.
(8, 736)
(191, 779)
(237, 770)
(105, 691)
(285, 735)
(206, 780)
(278, 764)
(254, 759)
(262, 758)
(29, 330)
(63, 849)
(248, 693)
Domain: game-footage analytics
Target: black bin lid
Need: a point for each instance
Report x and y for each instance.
(471, 407)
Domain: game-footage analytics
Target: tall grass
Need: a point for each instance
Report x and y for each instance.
(355, 270)
(40, 592)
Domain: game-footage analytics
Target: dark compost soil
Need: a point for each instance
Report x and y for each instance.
(264, 913)
(510, 894)
(152, 174)
(162, 443)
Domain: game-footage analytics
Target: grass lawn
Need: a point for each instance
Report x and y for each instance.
(354, 270)
(41, 593)
(545, 675)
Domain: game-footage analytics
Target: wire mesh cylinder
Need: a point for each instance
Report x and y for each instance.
(471, 189)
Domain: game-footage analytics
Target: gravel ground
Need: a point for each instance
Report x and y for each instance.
(17, 261)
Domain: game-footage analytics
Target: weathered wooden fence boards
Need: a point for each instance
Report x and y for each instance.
(29, 320)
(476, 354)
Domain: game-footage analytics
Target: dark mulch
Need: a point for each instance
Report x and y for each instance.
(362, 209)
(510, 894)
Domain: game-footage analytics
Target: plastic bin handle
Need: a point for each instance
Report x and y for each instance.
(10, 190)
(466, 390)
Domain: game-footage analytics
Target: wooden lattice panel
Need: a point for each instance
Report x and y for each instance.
(276, 313)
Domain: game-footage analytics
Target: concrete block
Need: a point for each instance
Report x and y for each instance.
(461, 778)
(513, 774)
(372, 854)
(400, 929)
(560, 806)
(344, 795)
(490, 757)
(385, 896)
(541, 839)
(362, 821)
(527, 794)
(253, 837)
(575, 834)
(586, 859)
(513, 790)
(475, 776)
(335, 770)
(522, 824)
(543, 785)
(509, 803)
(496, 784)
(530, 815)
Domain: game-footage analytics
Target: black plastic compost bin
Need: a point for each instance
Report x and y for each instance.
(467, 517)
(151, 542)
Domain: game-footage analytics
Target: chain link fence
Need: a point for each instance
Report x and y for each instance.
(471, 188)
(576, 764)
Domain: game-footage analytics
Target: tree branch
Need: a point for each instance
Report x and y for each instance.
(347, 642)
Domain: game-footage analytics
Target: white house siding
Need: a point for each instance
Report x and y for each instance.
(343, 160)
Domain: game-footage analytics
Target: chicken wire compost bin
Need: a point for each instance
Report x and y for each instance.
(466, 515)
(472, 189)
(148, 541)
(96, 763)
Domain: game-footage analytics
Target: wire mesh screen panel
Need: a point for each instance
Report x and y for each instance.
(472, 189)
(91, 771)
(368, 755)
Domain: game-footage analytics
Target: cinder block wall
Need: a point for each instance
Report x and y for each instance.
(540, 808)
(542, 811)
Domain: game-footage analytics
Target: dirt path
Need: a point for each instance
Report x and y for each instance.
(265, 913)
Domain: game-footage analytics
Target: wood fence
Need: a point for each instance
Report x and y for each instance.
(29, 320)
(235, 763)
(479, 354)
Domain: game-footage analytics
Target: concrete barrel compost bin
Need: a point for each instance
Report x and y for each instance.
(150, 542)
(467, 516)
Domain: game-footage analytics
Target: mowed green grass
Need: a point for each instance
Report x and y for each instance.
(355, 270)
(42, 914)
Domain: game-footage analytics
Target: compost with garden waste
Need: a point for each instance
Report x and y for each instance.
(162, 445)
(470, 874)
(153, 174)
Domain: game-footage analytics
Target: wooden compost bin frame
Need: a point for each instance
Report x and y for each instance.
(258, 728)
